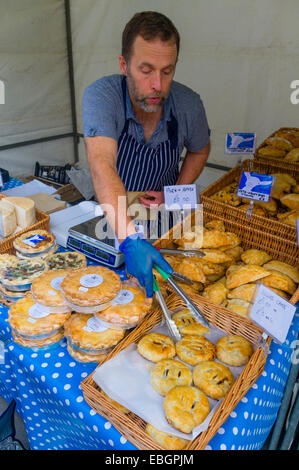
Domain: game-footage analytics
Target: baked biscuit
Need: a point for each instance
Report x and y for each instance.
(233, 350)
(156, 346)
(216, 292)
(291, 201)
(270, 151)
(187, 323)
(186, 407)
(213, 378)
(279, 281)
(257, 257)
(284, 268)
(165, 440)
(193, 349)
(169, 373)
(244, 275)
(244, 292)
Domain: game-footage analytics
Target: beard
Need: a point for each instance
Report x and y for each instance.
(140, 100)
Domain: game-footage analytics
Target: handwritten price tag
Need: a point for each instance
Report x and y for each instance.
(272, 313)
(180, 197)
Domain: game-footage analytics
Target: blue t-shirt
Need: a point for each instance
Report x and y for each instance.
(104, 115)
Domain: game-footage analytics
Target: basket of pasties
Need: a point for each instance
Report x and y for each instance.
(277, 216)
(281, 147)
(172, 378)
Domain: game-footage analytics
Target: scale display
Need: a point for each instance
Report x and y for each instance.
(83, 238)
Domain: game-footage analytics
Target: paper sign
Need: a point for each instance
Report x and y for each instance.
(272, 313)
(255, 186)
(240, 142)
(180, 197)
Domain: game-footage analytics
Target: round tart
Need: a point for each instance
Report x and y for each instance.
(165, 440)
(20, 275)
(83, 356)
(46, 289)
(127, 308)
(213, 378)
(156, 346)
(28, 318)
(7, 260)
(186, 407)
(86, 332)
(35, 242)
(10, 295)
(168, 373)
(66, 260)
(233, 350)
(93, 286)
(37, 341)
(194, 349)
(43, 255)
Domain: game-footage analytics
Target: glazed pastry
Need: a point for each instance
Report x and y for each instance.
(193, 349)
(235, 252)
(284, 268)
(280, 281)
(289, 135)
(20, 275)
(215, 256)
(213, 378)
(34, 242)
(169, 373)
(66, 260)
(156, 346)
(165, 440)
(257, 257)
(239, 306)
(186, 407)
(217, 238)
(270, 151)
(289, 218)
(192, 269)
(187, 323)
(244, 275)
(233, 350)
(244, 292)
(90, 286)
(46, 288)
(216, 292)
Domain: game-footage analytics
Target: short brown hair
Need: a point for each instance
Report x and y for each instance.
(148, 25)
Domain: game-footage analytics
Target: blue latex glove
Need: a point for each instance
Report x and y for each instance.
(140, 256)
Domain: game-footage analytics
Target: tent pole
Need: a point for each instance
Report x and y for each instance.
(71, 78)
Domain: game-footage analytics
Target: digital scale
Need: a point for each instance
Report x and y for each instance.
(82, 237)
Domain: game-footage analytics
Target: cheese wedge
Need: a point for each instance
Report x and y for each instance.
(8, 221)
(25, 210)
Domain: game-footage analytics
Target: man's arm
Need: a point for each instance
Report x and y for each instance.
(102, 156)
(193, 165)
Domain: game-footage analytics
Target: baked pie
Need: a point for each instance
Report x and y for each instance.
(284, 268)
(245, 292)
(187, 323)
(233, 350)
(35, 242)
(280, 281)
(90, 289)
(39, 341)
(7, 260)
(193, 349)
(168, 373)
(84, 356)
(213, 378)
(46, 290)
(66, 260)
(254, 256)
(21, 274)
(216, 292)
(156, 346)
(244, 275)
(128, 308)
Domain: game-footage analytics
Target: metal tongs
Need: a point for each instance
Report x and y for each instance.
(173, 329)
(192, 307)
(187, 253)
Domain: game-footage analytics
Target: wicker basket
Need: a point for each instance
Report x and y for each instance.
(274, 227)
(280, 161)
(42, 223)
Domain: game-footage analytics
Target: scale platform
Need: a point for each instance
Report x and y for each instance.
(104, 250)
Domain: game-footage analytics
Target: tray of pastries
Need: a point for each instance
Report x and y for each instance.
(282, 144)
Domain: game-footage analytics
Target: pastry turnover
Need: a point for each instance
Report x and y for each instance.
(279, 281)
(193, 349)
(216, 292)
(233, 350)
(165, 440)
(213, 378)
(215, 256)
(292, 156)
(239, 306)
(284, 268)
(169, 373)
(186, 407)
(291, 201)
(46, 288)
(254, 256)
(156, 346)
(244, 275)
(187, 323)
(191, 268)
(244, 292)
(270, 151)
(279, 143)
(289, 218)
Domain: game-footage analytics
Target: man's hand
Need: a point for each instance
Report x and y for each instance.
(153, 199)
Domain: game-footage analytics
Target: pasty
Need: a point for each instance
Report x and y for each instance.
(165, 440)
(244, 275)
(244, 292)
(233, 350)
(279, 281)
(215, 224)
(215, 256)
(284, 268)
(291, 201)
(187, 323)
(257, 257)
(279, 143)
(289, 218)
(270, 151)
(239, 306)
(292, 156)
(256, 209)
(192, 269)
(216, 292)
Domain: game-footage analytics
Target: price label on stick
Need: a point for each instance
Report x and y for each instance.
(180, 197)
(255, 186)
(272, 313)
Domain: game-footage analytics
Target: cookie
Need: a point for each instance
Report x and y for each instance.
(213, 378)
(233, 350)
(156, 346)
(169, 373)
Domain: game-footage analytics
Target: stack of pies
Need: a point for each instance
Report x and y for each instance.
(35, 243)
(88, 340)
(66, 260)
(90, 289)
(34, 327)
(45, 290)
(128, 308)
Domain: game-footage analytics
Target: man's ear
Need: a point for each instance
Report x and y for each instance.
(122, 65)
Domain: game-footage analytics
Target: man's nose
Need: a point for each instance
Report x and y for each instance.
(156, 82)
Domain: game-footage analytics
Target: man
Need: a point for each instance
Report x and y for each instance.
(136, 126)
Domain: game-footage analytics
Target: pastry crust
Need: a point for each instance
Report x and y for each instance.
(284, 268)
(280, 281)
(169, 373)
(239, 306)
(7, 260)
(45, 244)
(279, 143)
(90, 335)
(254, 256)
(107, 286)
(38, 343)
(45, 291)
(217, 238)
(244, 292)
(193, 349)
(215, 224)
(187, 323)
(190, 268)
(244, 275)
(213, 378)
(289, 218)
(22, 273)
(291, 201)
(292, 156)
(156, 346)
(165, 440)
(66, 260)
(82, 356)
(21, 320)
(215, 256)
(270, 151)
(233, 350)
(216, 292)
(186, 407)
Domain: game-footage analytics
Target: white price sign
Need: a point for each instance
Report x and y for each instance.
(272, 313)
(182, 196)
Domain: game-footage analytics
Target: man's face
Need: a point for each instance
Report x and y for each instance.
(150, 72)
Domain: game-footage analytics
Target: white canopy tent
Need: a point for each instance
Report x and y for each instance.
(240, 55)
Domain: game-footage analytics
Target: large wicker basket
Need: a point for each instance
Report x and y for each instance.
(274, 227)
(284, 164)
(42, 223)
(132, 426)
